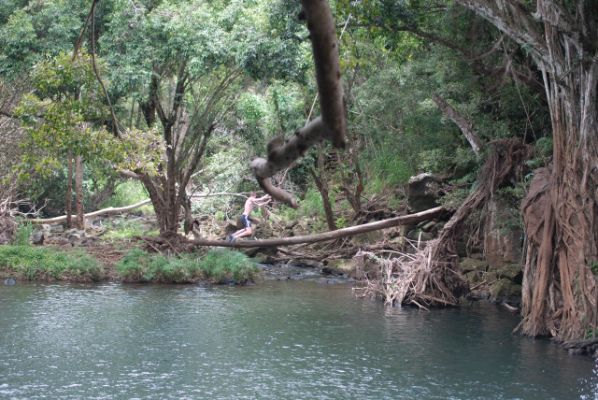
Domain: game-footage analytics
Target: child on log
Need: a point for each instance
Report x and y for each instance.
(251, 202)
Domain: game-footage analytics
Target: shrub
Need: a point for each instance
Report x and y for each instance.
(127, 193)
(219, 266)
(42, 263)
(23, 234)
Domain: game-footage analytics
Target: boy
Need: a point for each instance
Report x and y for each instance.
(251, 202)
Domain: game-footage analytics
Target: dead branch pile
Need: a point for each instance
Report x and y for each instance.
(431, 275)
(415, 279)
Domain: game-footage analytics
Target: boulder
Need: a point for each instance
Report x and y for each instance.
(511, 272)
(471, 264)
(263, 258)
(37, 237)
(505, 290)
(339, 265)
(473, 277)
(8, 228)
(56, 228)
(423, 191)
(417, 234)
(75, 236)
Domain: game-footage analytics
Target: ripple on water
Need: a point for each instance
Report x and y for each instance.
(273, 341)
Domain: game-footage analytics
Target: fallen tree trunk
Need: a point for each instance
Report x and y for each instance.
(119, 210)
(330, 235)
(104, 211)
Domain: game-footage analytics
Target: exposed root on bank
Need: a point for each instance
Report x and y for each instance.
(414, 279)
(431, 276)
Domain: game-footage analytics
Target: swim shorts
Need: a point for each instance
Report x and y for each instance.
(245, 221)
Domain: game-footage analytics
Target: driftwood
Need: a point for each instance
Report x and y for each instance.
(104, 211)
(119, 210)
(330, 235)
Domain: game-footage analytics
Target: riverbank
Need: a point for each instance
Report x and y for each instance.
(106, 263)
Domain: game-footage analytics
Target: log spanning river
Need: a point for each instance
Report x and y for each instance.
(275, 340)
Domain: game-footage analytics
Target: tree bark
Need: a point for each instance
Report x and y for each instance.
(79, 192)
(332, 124)
(561, 38)
(69, 191)
(319, 174)
(463, 123)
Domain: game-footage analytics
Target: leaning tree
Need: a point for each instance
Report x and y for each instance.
(560, 293)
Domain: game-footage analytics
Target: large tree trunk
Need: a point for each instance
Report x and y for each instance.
(564, 295)
(79, 192)
(69, 192)
(167, 210)
(560, 291)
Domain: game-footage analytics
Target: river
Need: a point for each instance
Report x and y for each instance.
(275, 340)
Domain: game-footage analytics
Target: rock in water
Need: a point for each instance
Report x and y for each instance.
(10, 281)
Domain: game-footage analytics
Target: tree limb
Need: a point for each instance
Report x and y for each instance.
(330, 235)
(463, 123)
(510, 17)
(332, 123)
(104, 211)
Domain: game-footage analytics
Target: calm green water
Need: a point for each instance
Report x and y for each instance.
(277, 340)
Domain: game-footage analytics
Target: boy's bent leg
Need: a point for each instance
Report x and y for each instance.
(246, 232)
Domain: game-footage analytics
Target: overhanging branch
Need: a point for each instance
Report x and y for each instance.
(332, 123)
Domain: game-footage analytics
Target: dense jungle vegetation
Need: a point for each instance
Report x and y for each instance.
(111, 102)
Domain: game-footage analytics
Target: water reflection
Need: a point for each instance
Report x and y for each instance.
(274, 341)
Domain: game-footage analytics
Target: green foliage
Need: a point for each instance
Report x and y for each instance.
(218, 266)
(287, 213)
(386, 169)
(126, 193)
(140, 266)
(42, 263)
(17, 41)
(23, 234)
(311, 204)
(126, 230)
(219, 216)
(542, 153)
(59, 117)
(591, 333)
(221, 265)
(594, 267)
(32, 31)
(454, 199)
(340, 222)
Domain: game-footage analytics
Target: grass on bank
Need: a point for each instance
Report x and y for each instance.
(218, 266)
(45, 263)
